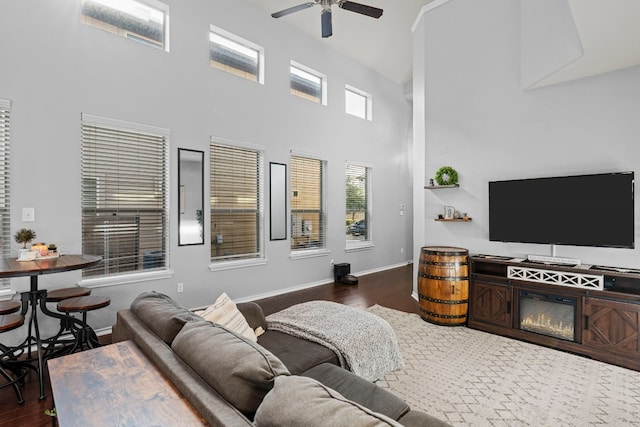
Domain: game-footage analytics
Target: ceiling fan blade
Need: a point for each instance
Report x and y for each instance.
(292, 9)
(327, 26)
(363, 9)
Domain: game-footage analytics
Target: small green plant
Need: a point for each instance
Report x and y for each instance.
(24, 236)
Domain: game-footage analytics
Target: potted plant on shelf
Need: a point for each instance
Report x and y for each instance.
(24, 236)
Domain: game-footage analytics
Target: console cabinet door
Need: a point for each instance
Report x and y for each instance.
(490, 303)
(611, 326)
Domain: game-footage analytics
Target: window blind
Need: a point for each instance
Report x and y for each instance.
(236, 183)
(308, 203)
(357, 201)
(124, 196)
(5, 199)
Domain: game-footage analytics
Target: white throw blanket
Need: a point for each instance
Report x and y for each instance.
(365, 343)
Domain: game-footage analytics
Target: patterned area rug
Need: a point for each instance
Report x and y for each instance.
(472, 378)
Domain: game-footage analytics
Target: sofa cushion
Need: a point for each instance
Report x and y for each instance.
(297, 354)
(239, 369)
(358, 389)
(224, 312)
(161, 314)
(303, 401)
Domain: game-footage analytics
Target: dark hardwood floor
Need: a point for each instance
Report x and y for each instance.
(390, 288)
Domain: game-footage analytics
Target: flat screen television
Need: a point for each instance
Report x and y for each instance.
(582, 210)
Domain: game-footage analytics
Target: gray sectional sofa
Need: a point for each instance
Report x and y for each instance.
(278, 381)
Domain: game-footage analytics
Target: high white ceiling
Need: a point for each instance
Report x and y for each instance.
(609, 31)
(383, 44)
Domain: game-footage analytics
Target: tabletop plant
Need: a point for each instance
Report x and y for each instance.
(24, 236)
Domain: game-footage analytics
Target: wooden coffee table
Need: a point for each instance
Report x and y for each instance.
(116, 385)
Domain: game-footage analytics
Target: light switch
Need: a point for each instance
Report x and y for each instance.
(28, 214)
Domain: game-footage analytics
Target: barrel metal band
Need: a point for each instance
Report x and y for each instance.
(448, 278)
(443, 301)
(447, 263)
(436, 252)
(443, 316)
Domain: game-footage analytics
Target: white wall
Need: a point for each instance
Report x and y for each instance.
(54, 68)
(479, 120)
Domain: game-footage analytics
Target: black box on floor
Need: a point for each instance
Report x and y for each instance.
(341, 270)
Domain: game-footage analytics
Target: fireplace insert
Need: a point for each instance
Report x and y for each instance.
(547, 314)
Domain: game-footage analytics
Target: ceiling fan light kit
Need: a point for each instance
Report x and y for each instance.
(325, 17)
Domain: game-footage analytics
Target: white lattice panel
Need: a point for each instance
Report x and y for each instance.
(561, 278)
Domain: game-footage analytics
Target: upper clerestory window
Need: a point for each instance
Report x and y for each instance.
(145, 21)
(236, 55)
(358, 103)
(308, 83)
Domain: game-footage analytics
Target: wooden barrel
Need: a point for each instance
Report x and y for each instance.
(443, 285)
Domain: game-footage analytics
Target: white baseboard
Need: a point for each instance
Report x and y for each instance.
(318, 283)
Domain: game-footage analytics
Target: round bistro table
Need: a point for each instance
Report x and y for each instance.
(11, 267)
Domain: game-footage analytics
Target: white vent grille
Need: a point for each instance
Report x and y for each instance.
(561, 278)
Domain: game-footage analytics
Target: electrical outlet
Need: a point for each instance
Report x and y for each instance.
(180, 287)
(401, 250)
(332, 263)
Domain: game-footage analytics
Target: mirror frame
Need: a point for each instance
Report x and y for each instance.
(185, 195)
(278, 201)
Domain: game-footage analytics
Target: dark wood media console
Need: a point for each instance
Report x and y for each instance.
(593, 311)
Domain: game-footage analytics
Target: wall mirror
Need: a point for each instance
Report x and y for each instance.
(190, 197)
(278, 206)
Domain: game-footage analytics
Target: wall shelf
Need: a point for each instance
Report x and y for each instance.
(453, 220)
(438, 187)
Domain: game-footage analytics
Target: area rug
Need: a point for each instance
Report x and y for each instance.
(472, 378)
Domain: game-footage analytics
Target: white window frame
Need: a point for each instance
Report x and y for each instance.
(358, 245)
(154, 4)
(368, 99)
(260, 259)
(301, 253)
(5, 212)
(244, 43)
(139, 275)
(317, 74)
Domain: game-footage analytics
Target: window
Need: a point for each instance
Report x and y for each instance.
(308, 203)
(308, 84)
(145, 21)
(236, 55)
(5, 207)
(358, 202)
(358, 103)
(237, 224)
(124, 196)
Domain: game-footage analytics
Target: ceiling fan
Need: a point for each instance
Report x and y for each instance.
(327, 28)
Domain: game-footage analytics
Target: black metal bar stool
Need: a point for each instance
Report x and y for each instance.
(8, 361)
(8, 307)
(84, 334)
(55, 344)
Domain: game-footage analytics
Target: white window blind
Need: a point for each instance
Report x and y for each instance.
(237, 219)
(124, 196)
(5, 199)
(358, 202)
(144, 21)
(308, 203)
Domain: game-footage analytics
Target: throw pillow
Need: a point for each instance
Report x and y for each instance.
(240, 370)
(161, 314)
(225, 312)
(302, 401)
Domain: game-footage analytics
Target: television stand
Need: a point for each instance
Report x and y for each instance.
(592, 312)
